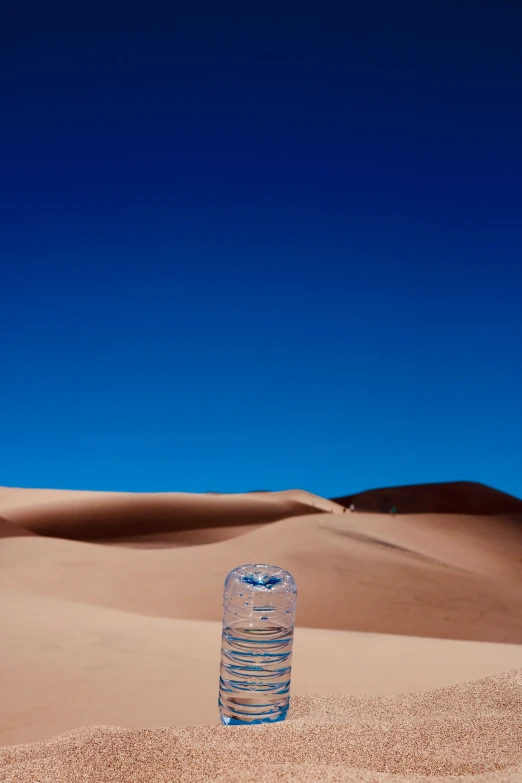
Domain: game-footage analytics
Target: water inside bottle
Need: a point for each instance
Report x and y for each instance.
(254, 682)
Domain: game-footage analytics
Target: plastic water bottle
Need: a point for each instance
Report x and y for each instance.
(256, 646)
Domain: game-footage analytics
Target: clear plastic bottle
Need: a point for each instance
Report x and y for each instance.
(256, 646)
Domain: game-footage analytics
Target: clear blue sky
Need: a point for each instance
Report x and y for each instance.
(261, 245)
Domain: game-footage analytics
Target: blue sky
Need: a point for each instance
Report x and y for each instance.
(250, 246)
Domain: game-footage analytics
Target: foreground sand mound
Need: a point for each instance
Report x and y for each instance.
(465, 730)
(452, 497)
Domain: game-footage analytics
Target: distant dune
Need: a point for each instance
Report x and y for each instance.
(456, 497)
(166, 555)
(110, 606)
(9, 529)
(98, 515)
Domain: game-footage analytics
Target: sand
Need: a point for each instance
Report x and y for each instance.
(467, 730)
(109, 614)
(66, 664)
(453, 497)
(418, 575)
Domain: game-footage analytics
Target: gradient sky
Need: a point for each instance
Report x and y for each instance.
(261, 245)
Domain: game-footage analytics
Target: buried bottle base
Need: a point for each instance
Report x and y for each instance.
(254, 684)
(228, 721)
(248, 715)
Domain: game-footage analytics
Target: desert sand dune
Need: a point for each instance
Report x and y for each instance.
(8, 529)
(109, 614)
(98, 515)
(180, 538)
(452, 497)
(352, 574)
(477, 544)
(309, 499)
(464, 730)
(76, 664)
